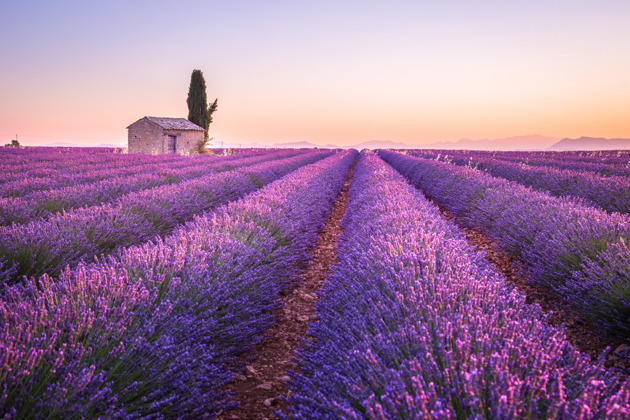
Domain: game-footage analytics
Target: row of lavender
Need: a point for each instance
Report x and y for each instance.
(604, 163)
(414, 323)
(44, 203)
(577, 252)
(609, 164)
(606, 157)
(47, 159)
(608, 193)
(48, 245)
(149, 331)
(19, 183)
(606, 160)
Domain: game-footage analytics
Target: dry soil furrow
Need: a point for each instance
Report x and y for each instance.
(261, 385)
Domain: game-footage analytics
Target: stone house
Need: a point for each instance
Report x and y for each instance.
(156, 135)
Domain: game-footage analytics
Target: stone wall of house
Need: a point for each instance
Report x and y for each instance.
(146, 137)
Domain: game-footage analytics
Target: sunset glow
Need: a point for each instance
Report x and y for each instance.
(325, 72)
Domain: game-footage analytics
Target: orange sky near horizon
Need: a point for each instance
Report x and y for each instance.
(324, 72)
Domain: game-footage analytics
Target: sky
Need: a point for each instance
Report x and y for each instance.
(340, 72)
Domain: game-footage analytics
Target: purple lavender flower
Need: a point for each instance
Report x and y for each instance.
(414, 323)
(150, 330)
(571, 249)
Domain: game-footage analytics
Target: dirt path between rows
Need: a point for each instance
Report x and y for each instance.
(581, 335)
(261, 386)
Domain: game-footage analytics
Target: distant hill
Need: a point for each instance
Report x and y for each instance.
(111, 145)
(372, 144)
(290, 145)
(382, 144)
(231, 145)
(591, 143)
(297, 145)
(62, 144)
(529, 142)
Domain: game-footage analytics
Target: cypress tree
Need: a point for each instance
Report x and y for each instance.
(198, 102)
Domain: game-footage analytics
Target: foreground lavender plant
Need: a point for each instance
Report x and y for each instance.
(47, 246)
(575, 251)
(413, 323)
(149, 331)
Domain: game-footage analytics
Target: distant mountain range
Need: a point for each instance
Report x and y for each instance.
(289, 145)
(302, 145)
(529, 142)
(382, 144)
(591, 143)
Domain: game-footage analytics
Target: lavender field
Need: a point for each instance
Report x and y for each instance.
(140, 286)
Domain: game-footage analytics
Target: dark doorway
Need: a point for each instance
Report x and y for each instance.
(171, 144)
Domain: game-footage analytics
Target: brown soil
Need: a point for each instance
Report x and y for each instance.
(260, 386)
(583, 336)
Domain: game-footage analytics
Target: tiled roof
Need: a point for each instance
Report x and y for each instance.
(174, 123)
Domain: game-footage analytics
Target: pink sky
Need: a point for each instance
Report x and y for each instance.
(324, 72)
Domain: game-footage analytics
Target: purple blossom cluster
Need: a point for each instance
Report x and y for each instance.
(150, 331)
(44, 203)
(610, 193)
(49, 245)
(577, 252)
(414, 323)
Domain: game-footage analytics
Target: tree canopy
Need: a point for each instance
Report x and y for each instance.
(197, 101)
(15, 143)
(199, 112)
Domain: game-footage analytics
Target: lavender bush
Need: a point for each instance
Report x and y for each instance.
(608, 193)
(42, 204)
(573, 250)
(31, 164)
(25, 183)
(413, 323)
(604, 163)
(150, 330)
(47, 246)
(23, 180)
